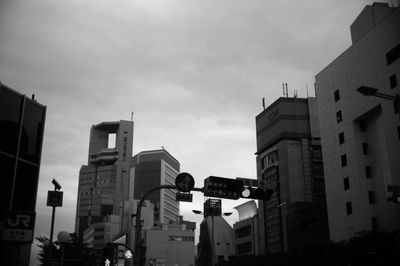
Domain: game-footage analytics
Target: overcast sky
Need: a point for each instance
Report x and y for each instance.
(193, 72)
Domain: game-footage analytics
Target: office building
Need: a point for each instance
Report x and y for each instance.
(247, 240)
(104, 182)
(21, 125)
(361, 135)
(289, 162)
(151, 169)
(170, 244)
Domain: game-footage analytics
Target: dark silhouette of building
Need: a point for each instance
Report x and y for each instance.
(289, 161)
(104, 183)
(21, 125)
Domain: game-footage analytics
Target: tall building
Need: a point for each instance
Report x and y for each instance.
(289, 162)
(104, 182)
(361, 135)
(156, 168)
(21, 125)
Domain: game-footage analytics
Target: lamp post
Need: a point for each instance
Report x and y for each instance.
(54, 199)
(214, 253)
(63, 238)
(368, 91)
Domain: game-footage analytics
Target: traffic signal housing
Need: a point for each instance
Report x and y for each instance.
(221, 187)
(395, 197)
(257, 193)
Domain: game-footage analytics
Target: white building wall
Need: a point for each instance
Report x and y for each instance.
(363, 64)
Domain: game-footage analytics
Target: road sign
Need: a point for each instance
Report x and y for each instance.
(221, 187)
(54, 198)
(212, 207)
(184, 197)
(184, 182)
(18, 226)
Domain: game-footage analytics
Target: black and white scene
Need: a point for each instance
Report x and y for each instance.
(199, 133)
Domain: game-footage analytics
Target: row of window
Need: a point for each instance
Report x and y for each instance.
(371, 200)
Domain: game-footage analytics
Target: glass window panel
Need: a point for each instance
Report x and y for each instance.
(10, 108)
(7, 170)
(25, 187)
(32, 132)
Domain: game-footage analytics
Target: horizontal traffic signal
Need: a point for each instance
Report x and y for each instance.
(257, 193)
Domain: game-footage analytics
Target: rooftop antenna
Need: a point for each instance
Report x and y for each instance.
(295, 94)
(287, 91)
(283, 88)
(263, 103)
(132, 115)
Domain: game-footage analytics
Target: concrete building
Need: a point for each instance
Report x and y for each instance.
(215, 232)
(22, 122)
(151, 169)
(98, 234)
(361, 135)
(289, 161)
(247, 240)
(104, 183)
(170, 245)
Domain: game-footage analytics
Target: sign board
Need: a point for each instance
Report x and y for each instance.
(184, 197)
(212, 207)
(184, 182)
(54, 198)
(18, 226)
(222, 187)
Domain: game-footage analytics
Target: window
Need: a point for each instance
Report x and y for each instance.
(337, 95)
(374, 223)
(371, 197)
(365, 148)
(346, 183)
(398, 132)
(339, 116)
(344, 160)
(393, 55)
(244, 231)
(393, 81)
(362, 126)
(341, 138)
(349, 208)
(368, 172)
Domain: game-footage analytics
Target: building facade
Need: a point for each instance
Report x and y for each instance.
(170, 245)
(151, 169)
(104, 182)
(289, 161)
(247, 240)
(22, 126)
(361, 135)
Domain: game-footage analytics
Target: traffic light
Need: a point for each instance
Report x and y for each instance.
(257, 193)
(221, 187)
(108, 255)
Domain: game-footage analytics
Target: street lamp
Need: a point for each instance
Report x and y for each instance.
(368, 91)
(214, 253)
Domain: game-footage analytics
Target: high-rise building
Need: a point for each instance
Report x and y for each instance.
(151, 169)
(289, 161)
(104, 182)
(21, 125)
(361, 135)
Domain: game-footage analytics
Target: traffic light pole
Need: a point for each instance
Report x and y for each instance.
(138, 225)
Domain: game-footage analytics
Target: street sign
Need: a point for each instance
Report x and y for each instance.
(54, 198)
(184, 197)
(221, 187)
(18, 226)
(184, 182)
(212, 207)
